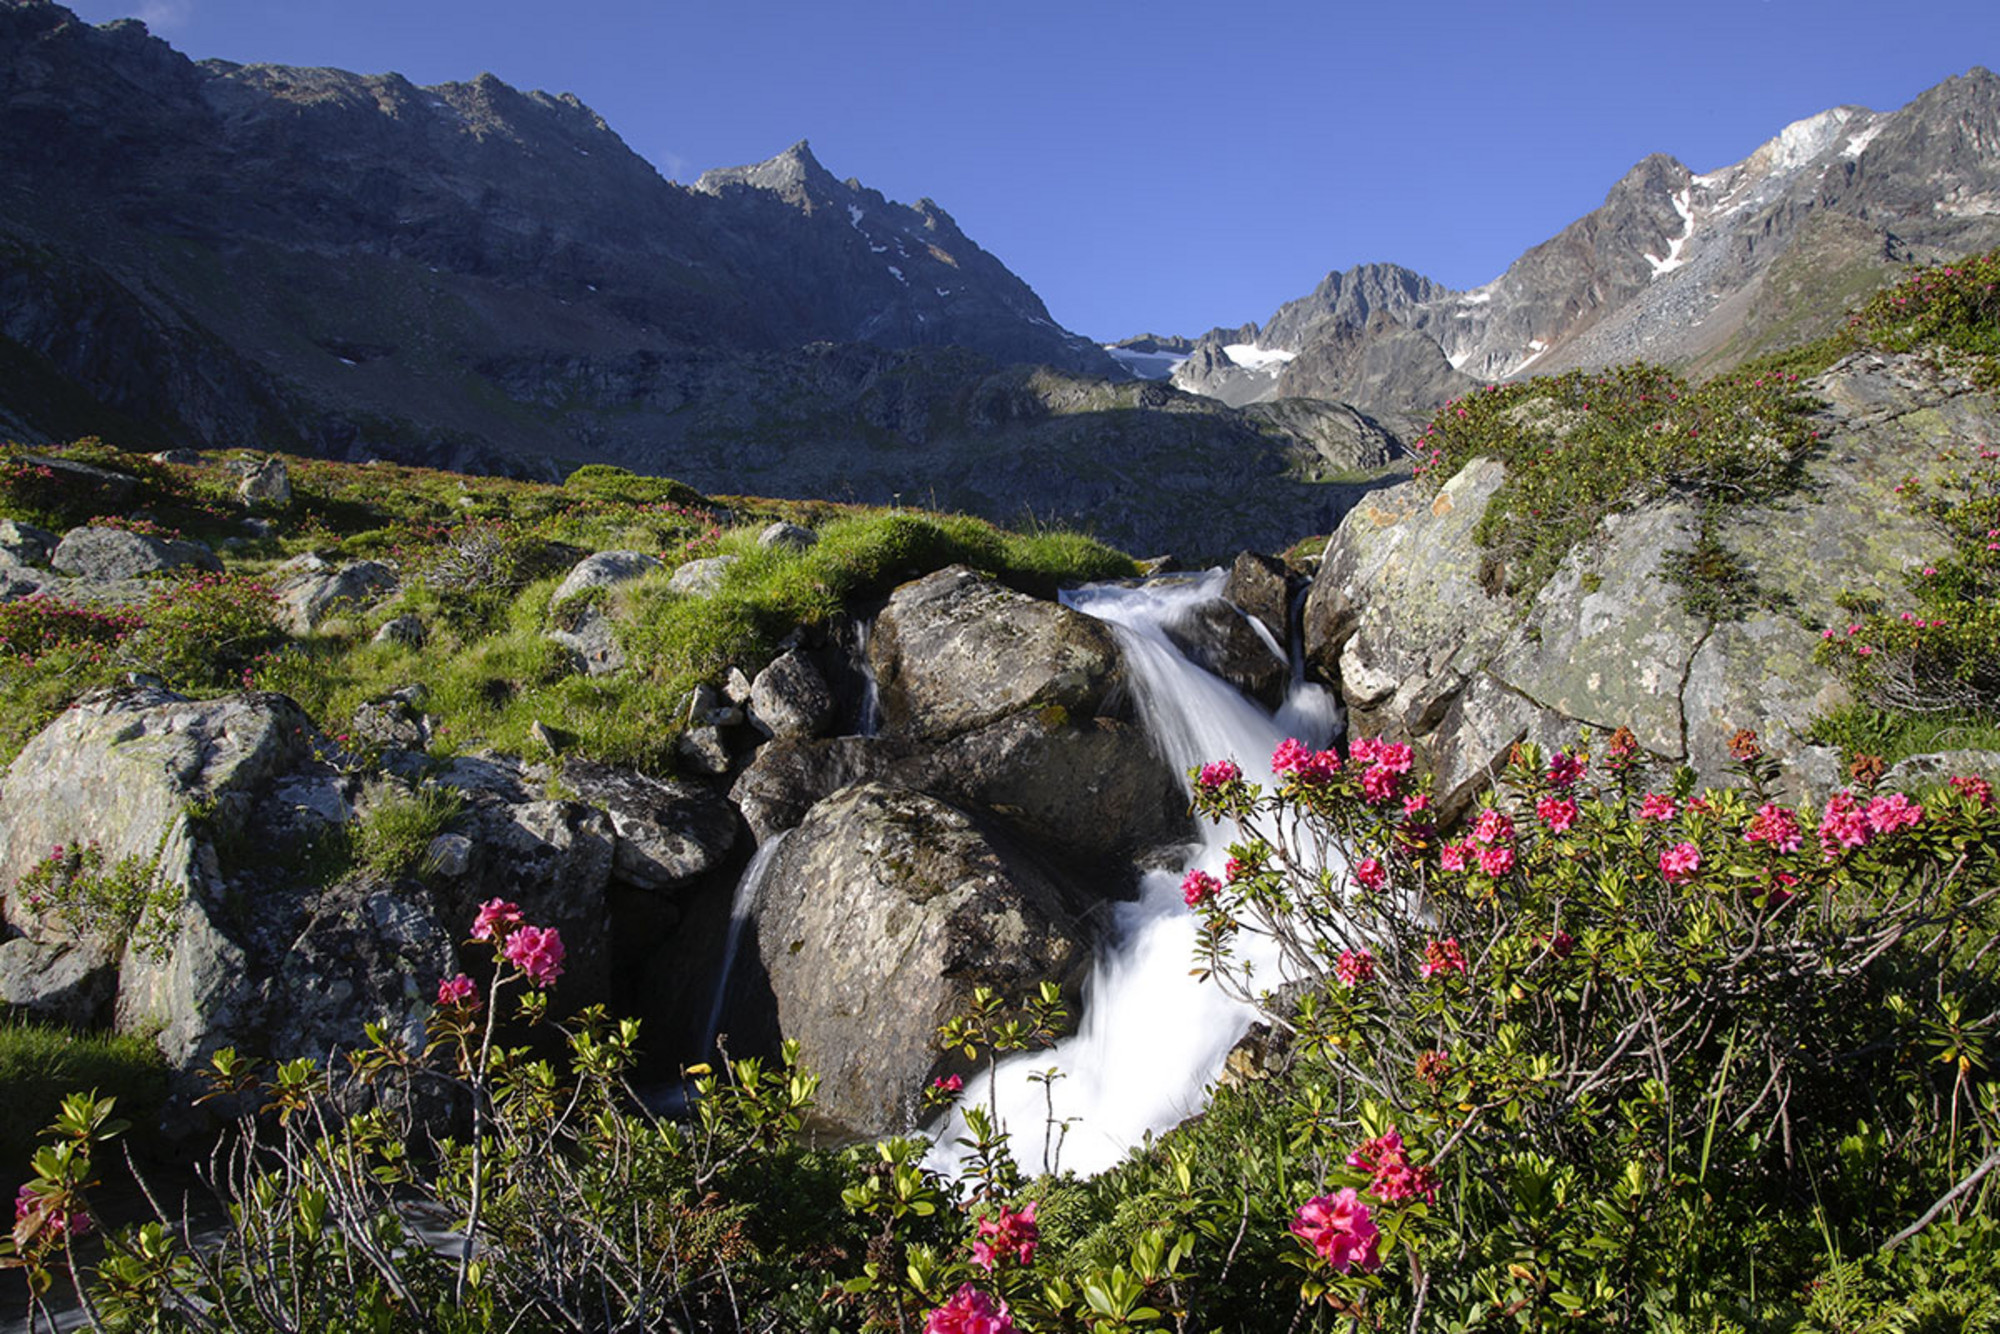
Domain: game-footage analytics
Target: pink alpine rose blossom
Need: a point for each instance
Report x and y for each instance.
(970, 1311)
(1493, 827)
(1008, 1233)
(1976, 789)
(458, 990)
(1221, 773)
(1451, 856)
(496, 918)
(1679, 863)
(1777, 826)
(1198, 887)
(1496, 860)
(1558, 813)
(1844, 824)
(1657, 806)
(1340, 1230)
(1887, 814)
(538, 952)
(1379, 784)
(1370, 873)
(1565, 769)
(1354, 967)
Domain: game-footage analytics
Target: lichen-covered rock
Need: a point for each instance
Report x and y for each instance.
(113, 553)
(603, 569)
(790, 776)
(700, 578)
(312, 593)
(668, 833)
(1221, 638)
(790, 698)
(265, 482)
(788, 535)
(57, 981)
(882, 912)
(1405, 602)
(955, 651)
(24, 544)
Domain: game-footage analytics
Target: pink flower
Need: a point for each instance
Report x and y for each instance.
(1198, 887)
(1232, 870)
(1565, 769)
(1451, 856)
(536, 951)
(1379, 783)
(1442, 956)
(458, 990)
(1009, 1233)
(1844, 824)
(1354, 967)
(1887, 814)
(1558, 813)
(969, 1311)
(1976, 789)
(496, 918)
(1311, 766)
(1289, 755)
(949, 1083)
(1417, 803)
(1679, 863)
(1221, 773)
(27, 1204)
(1395, 1180)
(1657, 807)
(1340, 1230)
(1493, 827)
(1496, 860)
(1562, 944)
(1776, 825)
(1394, 756)
(1371, 874)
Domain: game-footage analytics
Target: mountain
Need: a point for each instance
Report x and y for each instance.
(205, 252)
(1701, 270)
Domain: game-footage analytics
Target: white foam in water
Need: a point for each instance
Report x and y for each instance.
(1153, 1037)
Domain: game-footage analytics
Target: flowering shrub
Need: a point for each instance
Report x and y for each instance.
(125, 902)
(1671, 1045)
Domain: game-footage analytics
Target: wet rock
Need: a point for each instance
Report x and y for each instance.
(668, 833)
(955, 651)
(789, 777)
(790, 698)
(883, 910)
(1261, 588)
(1224, 640)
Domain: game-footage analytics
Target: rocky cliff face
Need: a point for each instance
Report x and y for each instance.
(1677, 267)
(1427, 649)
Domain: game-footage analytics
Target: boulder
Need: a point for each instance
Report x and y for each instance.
(108, 490)
(790, 698)
(313, 593)
(955, 650)
(704, 751)
(113, 553)
(1935, 769)
(882, 912)
(604, 569)
(405, 630)
(700, 578)
(1224, 640)
(67, 982)
(266, 483)
(790, 776)
(788, 535)
(1260, 587)
(591, 640)
(24, 544)
(668, 833)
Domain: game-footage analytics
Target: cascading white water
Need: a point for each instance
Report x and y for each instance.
(741, 905)
(1153, 1037)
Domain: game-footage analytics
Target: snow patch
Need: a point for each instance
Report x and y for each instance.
(854, 216)
(899, 275)
(1857, 144)
(347, 361)
(1673, 259)
(1253, 358)
(1147, 365)
(878, 250)
(1479, 296)
(944, 291)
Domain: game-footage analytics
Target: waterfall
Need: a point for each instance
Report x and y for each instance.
(1153, 1037)
(748, 887)
(868, 719)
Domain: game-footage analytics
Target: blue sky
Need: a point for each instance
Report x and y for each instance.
(1167, 166)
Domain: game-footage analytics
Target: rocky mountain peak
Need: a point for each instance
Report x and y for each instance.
(794, 175)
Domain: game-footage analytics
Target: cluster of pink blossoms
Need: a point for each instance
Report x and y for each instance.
(1658, 806)
(1369, 873)
(1340, 1230)
(1558, 813)
(27, 1205)
(1679, 863)
(1007, 1233)
(1846, 823)
(1311, 766)
(1354, 967)
(1978, 789)
(1198, 887)
(1387, 763)
(970, 1311)
(1389, 1162)
(1219, 773)
(1565, 769)
(460, 990)
(1442, 956)
(1491, 846)
(536, 950)
(1777, 826)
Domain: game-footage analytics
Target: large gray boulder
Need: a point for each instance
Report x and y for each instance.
(955, 650)
(668, 833)
(604, 569)
(790, 698)
(790, 776)
(881, 914)
(113, 553)
(1407, 608)
(315, 591)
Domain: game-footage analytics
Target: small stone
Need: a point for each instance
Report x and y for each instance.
(703, 751)
(782, 534)
(448, 855)
(603, 570)
(736, 685)
(790, 699)
(406, 630)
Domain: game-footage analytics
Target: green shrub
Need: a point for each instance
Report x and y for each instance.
(1951, 311)
(396, 832)
(121, 902)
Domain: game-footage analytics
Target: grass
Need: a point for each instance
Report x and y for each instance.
(41, 1063)
(1890, 735)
